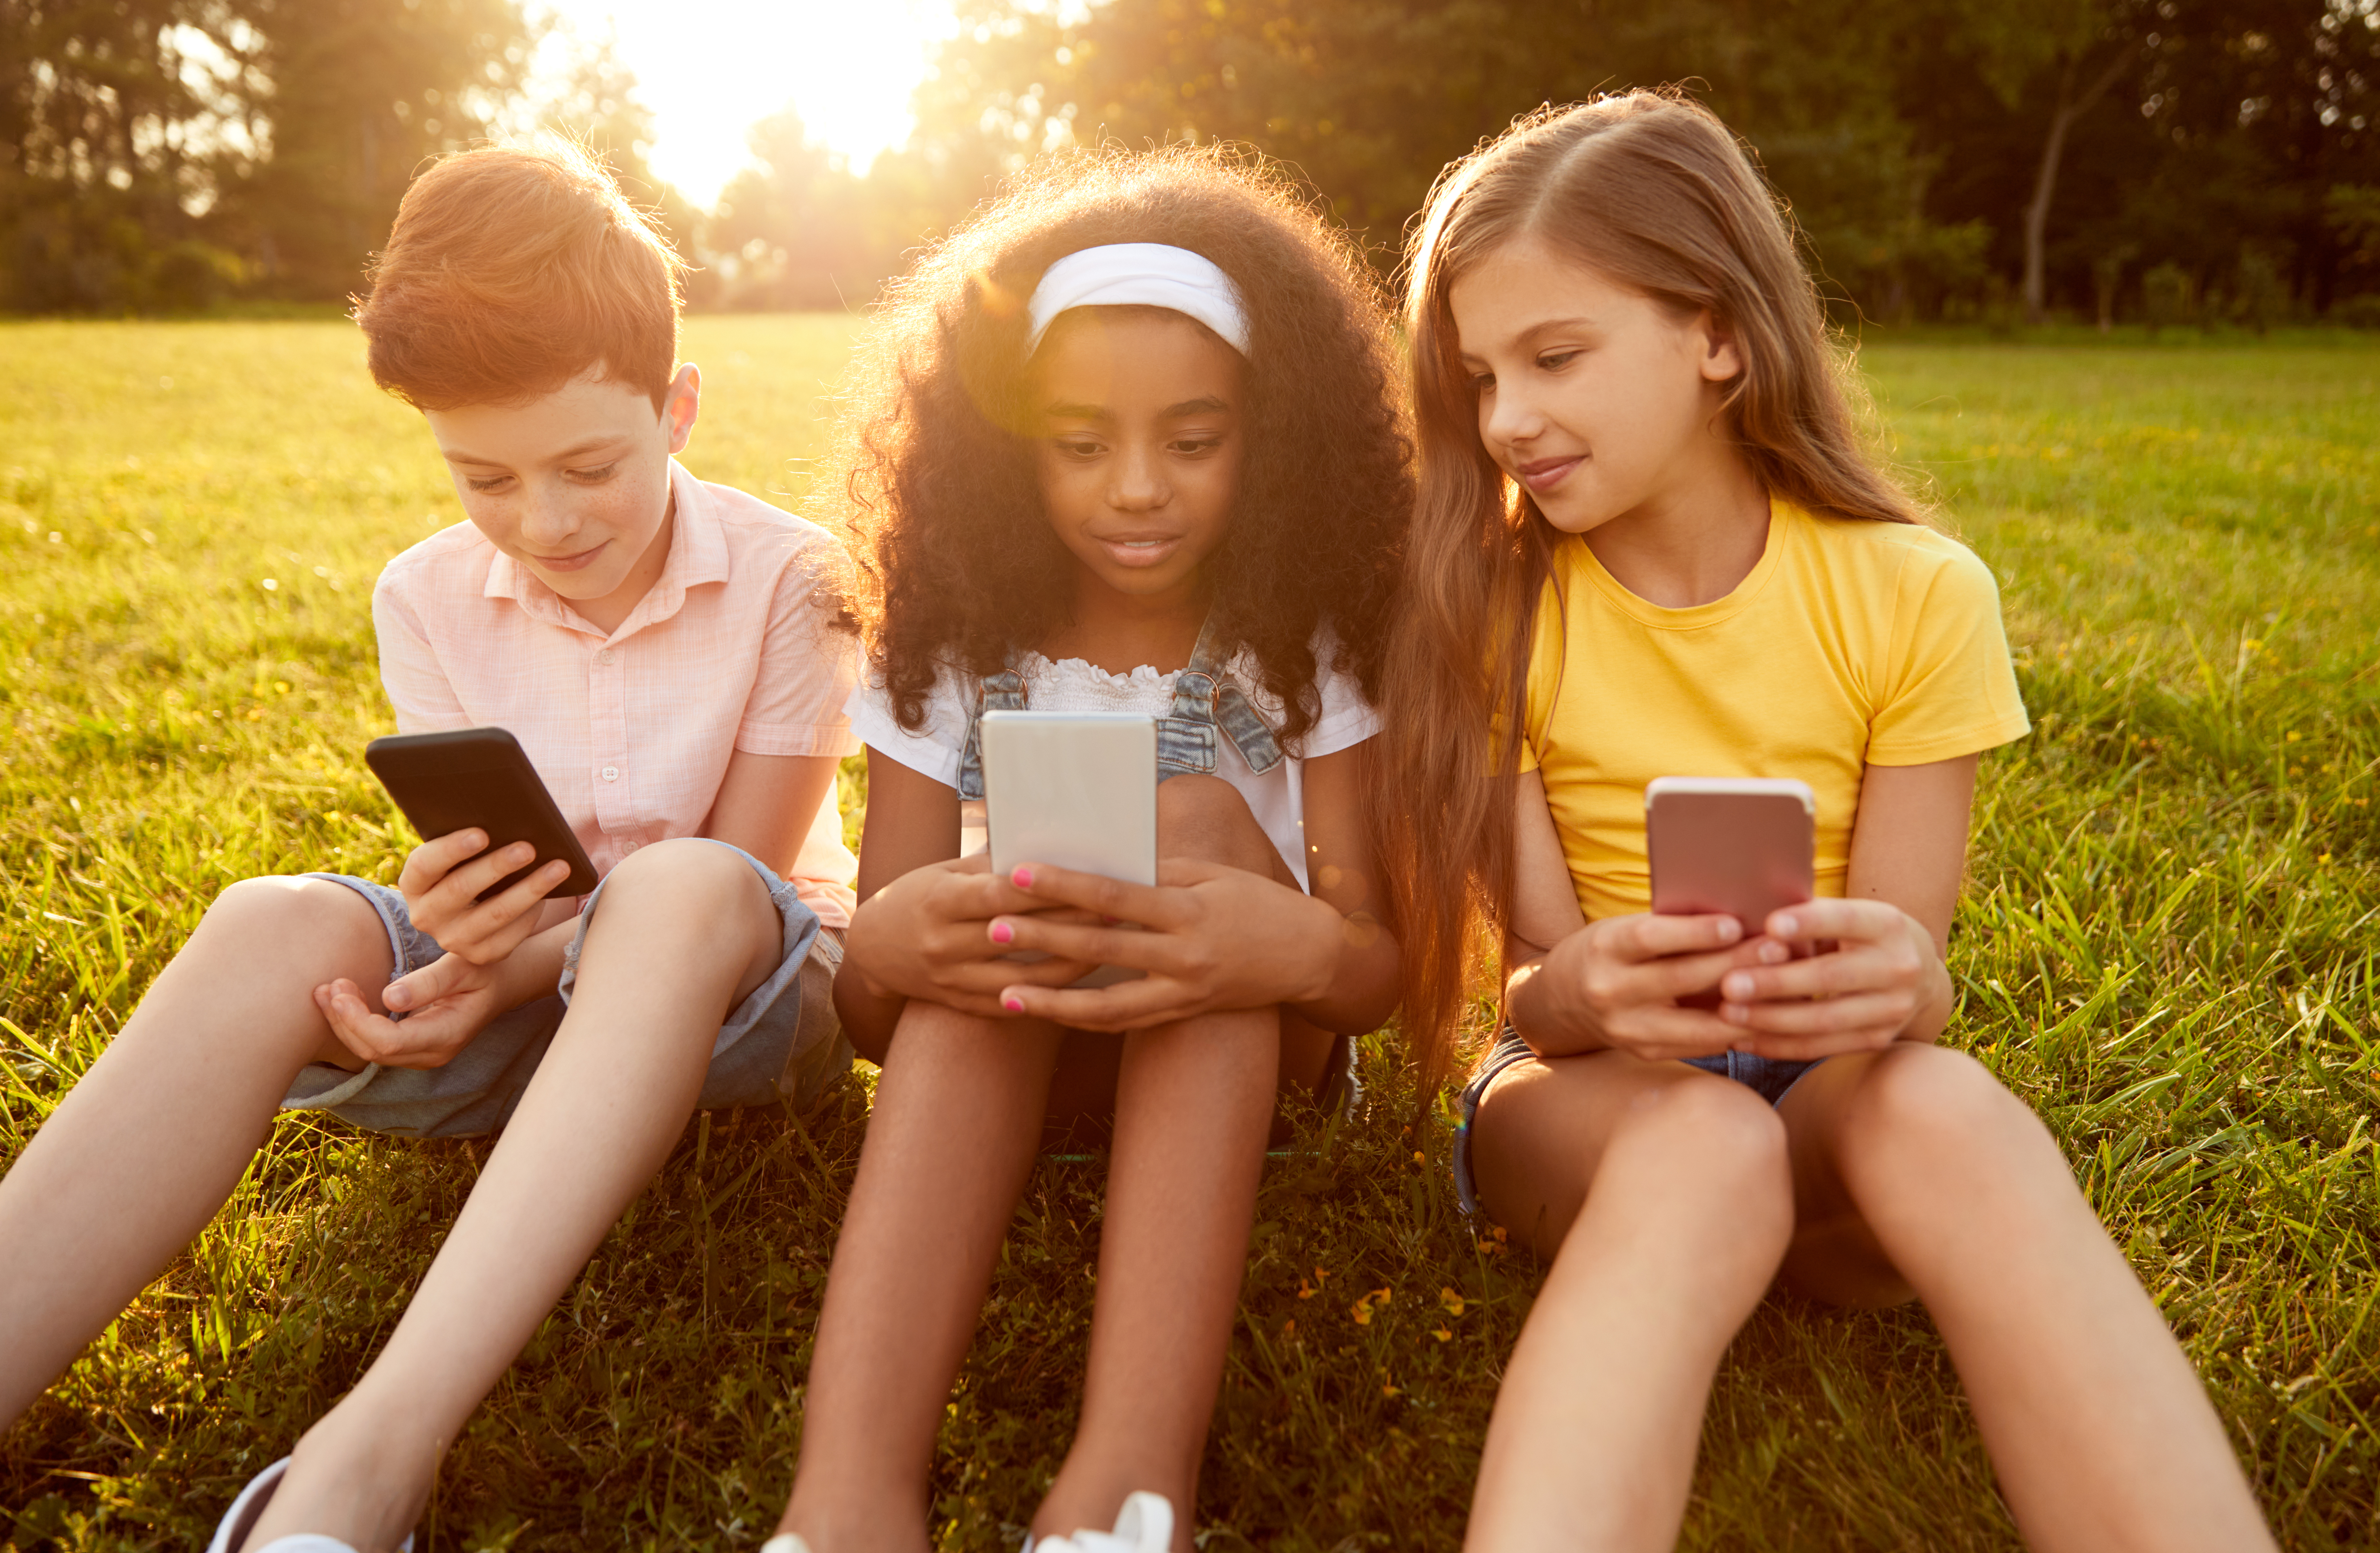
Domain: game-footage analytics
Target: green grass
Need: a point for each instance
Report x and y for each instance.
(2167, 948)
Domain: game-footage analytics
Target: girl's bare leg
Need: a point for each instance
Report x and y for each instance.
(1915, 1164)
(1662, 1194)
(141, 1153)
(950, 1141)
(685, 930)
(959, 1114)
(1193, 1107)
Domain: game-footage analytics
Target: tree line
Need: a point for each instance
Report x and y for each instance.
(2172, 160)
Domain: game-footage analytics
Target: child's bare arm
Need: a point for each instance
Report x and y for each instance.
(767, 804)
(1342, 873)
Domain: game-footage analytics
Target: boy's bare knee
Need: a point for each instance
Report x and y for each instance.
(1204, 818)
(684, 868)
(281, 915)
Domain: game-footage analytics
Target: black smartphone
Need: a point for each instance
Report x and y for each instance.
(479, 777)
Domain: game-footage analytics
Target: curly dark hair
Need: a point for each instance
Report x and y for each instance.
(956, 564)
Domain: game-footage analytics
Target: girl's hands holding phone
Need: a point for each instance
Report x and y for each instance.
(1880, 982)
(928, 935)
(441, 882)
(1616, 982)
(1209, 936)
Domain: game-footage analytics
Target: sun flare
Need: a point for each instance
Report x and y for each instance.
(709, 69)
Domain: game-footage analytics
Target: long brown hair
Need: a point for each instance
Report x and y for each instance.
(1649, 189)
(957, 567)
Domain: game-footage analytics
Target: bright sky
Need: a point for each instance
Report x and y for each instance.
(709, 69)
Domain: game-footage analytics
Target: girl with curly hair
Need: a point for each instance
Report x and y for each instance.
(1648, 542)
(1127, 442)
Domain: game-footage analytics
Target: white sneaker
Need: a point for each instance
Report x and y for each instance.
(241, 1518)
(785, 1542)
(1144, 1526)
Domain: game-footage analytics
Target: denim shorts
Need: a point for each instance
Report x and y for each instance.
(781, 1043)
(1770, 1078)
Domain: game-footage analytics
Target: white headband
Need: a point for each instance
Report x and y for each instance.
(1139, 275)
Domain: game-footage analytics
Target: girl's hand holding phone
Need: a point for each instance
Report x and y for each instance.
(1617, 982)
(927, 935)
(1861, 996)
(1209, 936)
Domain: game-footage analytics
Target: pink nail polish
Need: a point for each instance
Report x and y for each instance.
(1022, 878)
(1014, 1005)
(1002, 932)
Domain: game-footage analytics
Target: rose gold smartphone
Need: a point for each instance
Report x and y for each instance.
(1742, 846)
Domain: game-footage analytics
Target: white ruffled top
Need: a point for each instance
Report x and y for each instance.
(1276, 798)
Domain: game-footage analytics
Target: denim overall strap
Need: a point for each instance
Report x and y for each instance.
(1001, 692)
(1205, 701)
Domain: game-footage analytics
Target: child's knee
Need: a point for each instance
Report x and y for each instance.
(1204, 818)
(1714, 1137)
(1922, 1109)
(280, 915)
(685, 872)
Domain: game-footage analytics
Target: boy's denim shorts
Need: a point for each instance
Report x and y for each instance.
(782, 1042)
(1770, 1076)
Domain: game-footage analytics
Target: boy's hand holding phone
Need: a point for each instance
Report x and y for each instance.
(452, 999)
(1211, 936)
(441, 882)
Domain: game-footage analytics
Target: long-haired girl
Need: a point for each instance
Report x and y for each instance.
(1642, 490)
(1127, 441)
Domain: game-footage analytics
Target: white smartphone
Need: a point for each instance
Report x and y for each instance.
(1074, 789)
(1742, 846)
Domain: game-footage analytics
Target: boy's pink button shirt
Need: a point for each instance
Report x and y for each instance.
(733, 648)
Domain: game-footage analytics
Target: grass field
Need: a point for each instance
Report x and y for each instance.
(2167, 947)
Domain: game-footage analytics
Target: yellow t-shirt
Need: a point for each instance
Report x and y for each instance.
(1851, 643)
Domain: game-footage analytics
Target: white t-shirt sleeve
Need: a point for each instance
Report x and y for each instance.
(1347, 718)
(935, 750)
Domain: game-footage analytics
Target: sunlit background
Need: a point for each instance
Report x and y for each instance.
(2108, 161)
(709, 69)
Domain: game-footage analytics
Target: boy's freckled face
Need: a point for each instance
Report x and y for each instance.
(1595, 397)
(1139, 446)
(575, 485)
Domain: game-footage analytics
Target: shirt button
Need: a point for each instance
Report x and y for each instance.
(611, 773)
(630, 846)
(605, 656)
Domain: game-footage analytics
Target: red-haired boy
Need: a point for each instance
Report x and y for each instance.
(668, 653)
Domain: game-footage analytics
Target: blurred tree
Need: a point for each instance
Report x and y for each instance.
(2056, 59)
(792, 231)
(361, 92)
(1370, 98)
(112, 124)
(153, 151)
(582, 89)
